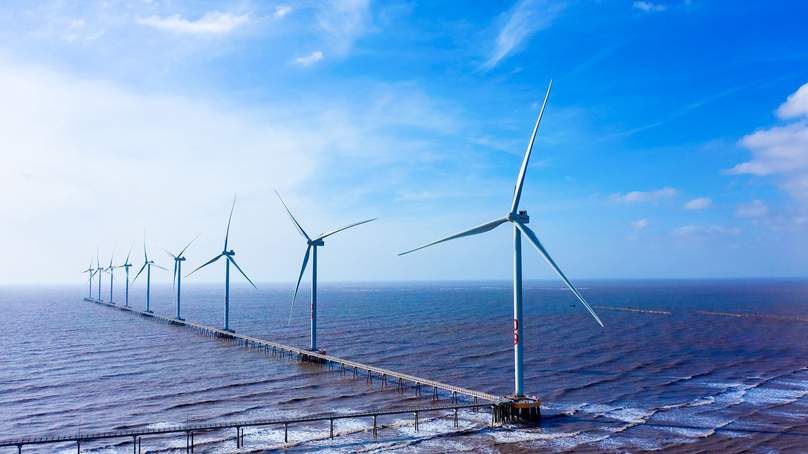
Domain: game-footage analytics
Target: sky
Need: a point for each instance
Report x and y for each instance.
(674, 143)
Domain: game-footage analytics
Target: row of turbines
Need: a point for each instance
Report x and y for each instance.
(518, 218)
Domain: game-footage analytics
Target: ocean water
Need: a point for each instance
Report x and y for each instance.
(686, 377)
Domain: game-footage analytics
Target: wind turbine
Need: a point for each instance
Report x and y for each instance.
(178, 259)
(229, 255)
(92, 273)
(147, 264)
(519, 219)
(126, 265)
(312, 249)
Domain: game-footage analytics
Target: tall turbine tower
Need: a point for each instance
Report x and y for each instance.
(313, 243)
(147, 264)
(111, 271)
(519, 219)
(98, 271)
(178, 259)
(229, 255)
(126, 265)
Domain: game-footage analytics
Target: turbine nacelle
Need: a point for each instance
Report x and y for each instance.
(520, 217)
(316, 243)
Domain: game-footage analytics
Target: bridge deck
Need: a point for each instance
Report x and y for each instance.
(228, 425)
(303, 353)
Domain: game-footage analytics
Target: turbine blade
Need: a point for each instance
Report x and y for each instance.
(227, 235)
(174, 280)
(138, 273)
(113, 255)
(158, 266)
(186, 247)
(206, 264)
(164, 248)
(517, 193)
(473, 231)
(299, 228)
(537, 244)
(302, 270)
(145, 255)
(242, 272)
(331, 232)
(130, 250)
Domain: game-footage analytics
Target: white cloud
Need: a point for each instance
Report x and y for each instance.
(698, 204)
(638, 226)
(781, 150)
(212, 23)
(752, 210)
(648, 196)
(524, 19)
(281, 11)
(796, 105)
(344, 21)
(309, 60)
(648, 7)
(706, 230)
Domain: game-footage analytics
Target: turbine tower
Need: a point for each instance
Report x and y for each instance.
(519, 219)
(313, 243)
(147, 265)
(126, 265)
(98, 271)
(178, 259)
(229, 255)
(111, 271)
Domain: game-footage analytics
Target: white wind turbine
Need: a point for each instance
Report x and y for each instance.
(519, 219)
(313, 243)
(92, 274)
(229, 255)
(147, 264)
(126, 265)
(176, 281)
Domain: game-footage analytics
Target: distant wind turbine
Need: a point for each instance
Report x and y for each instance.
(147, 264)
(126, 265)
(519, 219)
(229, 255)
(90, 280)
(178, 259)
(312, 249)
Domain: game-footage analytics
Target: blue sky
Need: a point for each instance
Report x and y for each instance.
(674, 145)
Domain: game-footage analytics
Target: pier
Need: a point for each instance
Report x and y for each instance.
(190, 429)
(345, 366)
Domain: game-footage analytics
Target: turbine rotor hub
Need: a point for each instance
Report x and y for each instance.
(316, 243)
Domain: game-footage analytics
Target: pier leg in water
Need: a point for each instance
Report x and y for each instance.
(285, 433)
(374, 427)
(332, 429)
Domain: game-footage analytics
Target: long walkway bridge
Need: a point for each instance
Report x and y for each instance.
(345, 366)
(190, 429)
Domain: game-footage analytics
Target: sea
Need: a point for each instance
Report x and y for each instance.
(680, 366)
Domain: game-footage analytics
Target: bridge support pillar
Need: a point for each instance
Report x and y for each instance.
(416, 421)
(332, 429)
(455, 417)
(374, 427)
(285, 433)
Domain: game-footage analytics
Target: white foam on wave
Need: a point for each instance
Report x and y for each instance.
(630, 414)
(768, 396)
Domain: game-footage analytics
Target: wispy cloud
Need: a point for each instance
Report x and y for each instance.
(310, 59)
(524, 19)
(701, 203)
(648, 7)
(706, 230)
(212, 23)
(281, 11)
(344, 21)
(781, 150)
(755, 209)
(640, 196)
(638, 226)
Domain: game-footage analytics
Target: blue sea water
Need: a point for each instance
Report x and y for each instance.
(687, 377)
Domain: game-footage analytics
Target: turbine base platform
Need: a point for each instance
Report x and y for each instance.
(177, 321)
(519, 409)
(313, 359)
